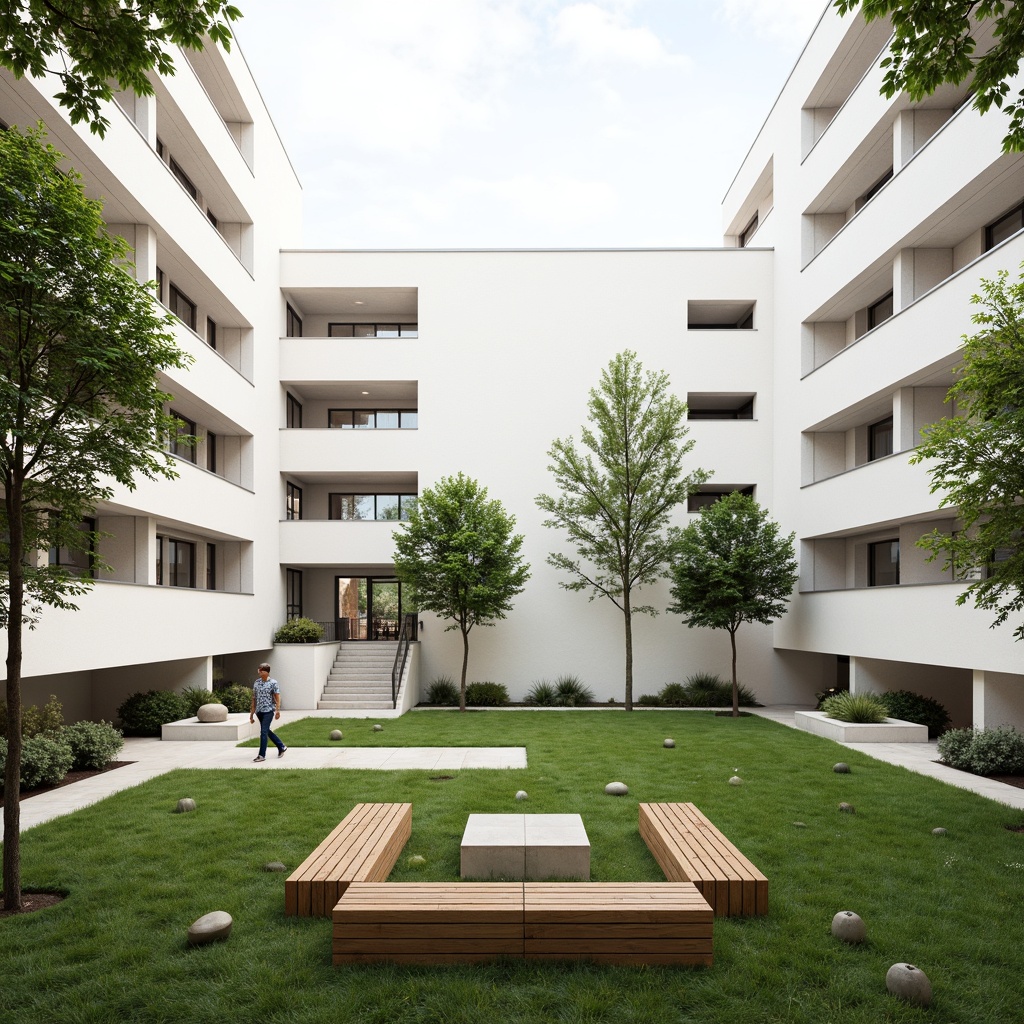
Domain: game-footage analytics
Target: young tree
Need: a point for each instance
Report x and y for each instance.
(934, 43)
(459, 555)
(80, 409)
(618, 494)
(90, 46)
(974, 457)
(730, 567)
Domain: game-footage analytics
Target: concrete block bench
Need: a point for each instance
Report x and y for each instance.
(363, 848)
(689, 848)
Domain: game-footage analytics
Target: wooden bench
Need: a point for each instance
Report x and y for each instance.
(363, 848)
(689, 848)
(437, 922)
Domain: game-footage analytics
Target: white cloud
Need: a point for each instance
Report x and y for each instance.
(554, 200)
(598, 35)
(779, 18)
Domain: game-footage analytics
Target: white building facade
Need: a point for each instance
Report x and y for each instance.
(329, 388)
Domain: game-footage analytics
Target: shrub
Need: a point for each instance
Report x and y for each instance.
(913, 707)
(855, 707)
(299, 631)
(674, 695)
(45, 760)
(36, 721)
(984, 751)
(571, 692)
(543, 694)
(649, 700)
(955, 748)
(236, 697)
(142, 714)
(491, 695)
(709, 690)
(93, 744)
(195, 697)
(822, 696)
(443, 691)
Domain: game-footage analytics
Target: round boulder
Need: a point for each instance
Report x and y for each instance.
(212, 713)
(378, 728)
(842, 768)
(274, 865)
(938, 831)
(416, 861)
(522, 795)
(669, 742)
(336, 734)
(616, 789)
(848, 926)
(905, 981)
(846, 808)
(210, 928)
(735, 781)
(185, 804)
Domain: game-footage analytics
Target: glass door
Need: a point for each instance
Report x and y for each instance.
(369, 607)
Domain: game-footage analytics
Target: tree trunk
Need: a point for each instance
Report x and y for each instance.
(12, 770)
(465, 665)
(629, 652)
(735, 685)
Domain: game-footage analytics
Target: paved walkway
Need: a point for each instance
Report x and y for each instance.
(152, 757)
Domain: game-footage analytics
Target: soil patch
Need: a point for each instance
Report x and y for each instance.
(32, 901)
(68, 780)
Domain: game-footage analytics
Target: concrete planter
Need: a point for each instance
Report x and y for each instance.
(892, 730)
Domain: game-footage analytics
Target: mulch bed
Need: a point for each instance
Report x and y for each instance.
(68, 780)
(31, 901)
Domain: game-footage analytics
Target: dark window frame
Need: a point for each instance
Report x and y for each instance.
(333, 506)
(873, 319)
(748, 232)
(174, 544)
(292, 501)
(876, 451)
(293, 594)
(990, 229)
(292, 322)
(872, 562)
(187, 451)
(211, 333)
(293, 412)
(211, 566)
(68, 559)
(375, 412)
(410, 330)
(875, 189)
(176, 298)
(212, 441)
(183, 179)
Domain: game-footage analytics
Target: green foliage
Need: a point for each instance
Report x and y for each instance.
(915, 707)
(45, 760)
(649, 700)
(708, 690)
(93, 744)
(974, 458)
(443, 691)
(618, 492)
(572, 692)
(36, 721)
(458, 553)
(195, 697)
(674, 695)
(487, 695)
(92, 48)
(142, 714)
(935, 42)
(542, 693)
(235, 697)
(984, 751)
(855, 707)
(299, 631)
(730, 566)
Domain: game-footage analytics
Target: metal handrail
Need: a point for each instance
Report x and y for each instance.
(401, 655)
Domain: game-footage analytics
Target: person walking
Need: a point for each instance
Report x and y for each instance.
(266, 706)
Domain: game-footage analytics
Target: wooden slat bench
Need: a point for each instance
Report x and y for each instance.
(689, 848)
(618, 922)
(363, 848)
(428, 922)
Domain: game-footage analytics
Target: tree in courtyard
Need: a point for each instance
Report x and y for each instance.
(80, 409)
(619, 491)
(459, 555)
(935, 42)
(730, 567)
(93, 47)
(974, 457)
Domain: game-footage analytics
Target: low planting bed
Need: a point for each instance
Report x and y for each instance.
(892, 730)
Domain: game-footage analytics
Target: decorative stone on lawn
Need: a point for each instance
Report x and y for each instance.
(616, 789)
(842, 768)
(938, 831)
(848, 926)
(336, 734)
(274, 865)
(905, 981)
(735, 781)
(669, 743)
(522, 795)
(416, 861)
(212, 713)
(378, 728)
(185, 804)
(210, 928)
(846, 808)
(799, 824)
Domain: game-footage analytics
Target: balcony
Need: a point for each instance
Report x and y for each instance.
(307, 451)
(337, 542)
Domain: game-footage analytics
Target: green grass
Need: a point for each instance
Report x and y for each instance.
(137, 875)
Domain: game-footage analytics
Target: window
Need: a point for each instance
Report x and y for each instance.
(391, 507)
(875, 189)
(725, 315)
(293, 411)
(293, 598)
(293, 323)
(1008, 224)
(211, 333)
(880, 439)
(211, 451)
(79, 561)
(211, 566)
(711, 406)
(373, 419)
(182, 307)
(880, 311)
(159, 285)
(160, 147)
(182, 428)
(704, 496)
(748, 232)
(293, 502)
(184, 180)
(884, 563)
(337, 330)
(211, 218)
(181, 563)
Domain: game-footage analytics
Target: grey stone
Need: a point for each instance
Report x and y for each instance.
(378, 728)
(846, 808)
(842, 768)
(336, 734)
(669, 742)
(212, 713)
(735, 781)
(848, 926)
(185, 804)
(522, 795)
(274, 865)
(416, 861)
(905, 981)
(938, 831)
(799, 824)
(210, 928)
(616, 789)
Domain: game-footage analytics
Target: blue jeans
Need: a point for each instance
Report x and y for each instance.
(266, 717)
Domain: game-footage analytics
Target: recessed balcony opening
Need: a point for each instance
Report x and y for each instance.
(352, 405)
(353, 313)
(720, 315)
(708, 494)
(720, 405)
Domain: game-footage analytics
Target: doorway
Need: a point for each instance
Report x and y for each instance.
(369, 607)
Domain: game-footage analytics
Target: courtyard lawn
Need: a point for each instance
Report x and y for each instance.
(137, 875)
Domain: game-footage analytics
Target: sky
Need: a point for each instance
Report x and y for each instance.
(519, 123)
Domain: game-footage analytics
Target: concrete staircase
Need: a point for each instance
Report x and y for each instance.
(361, 677)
